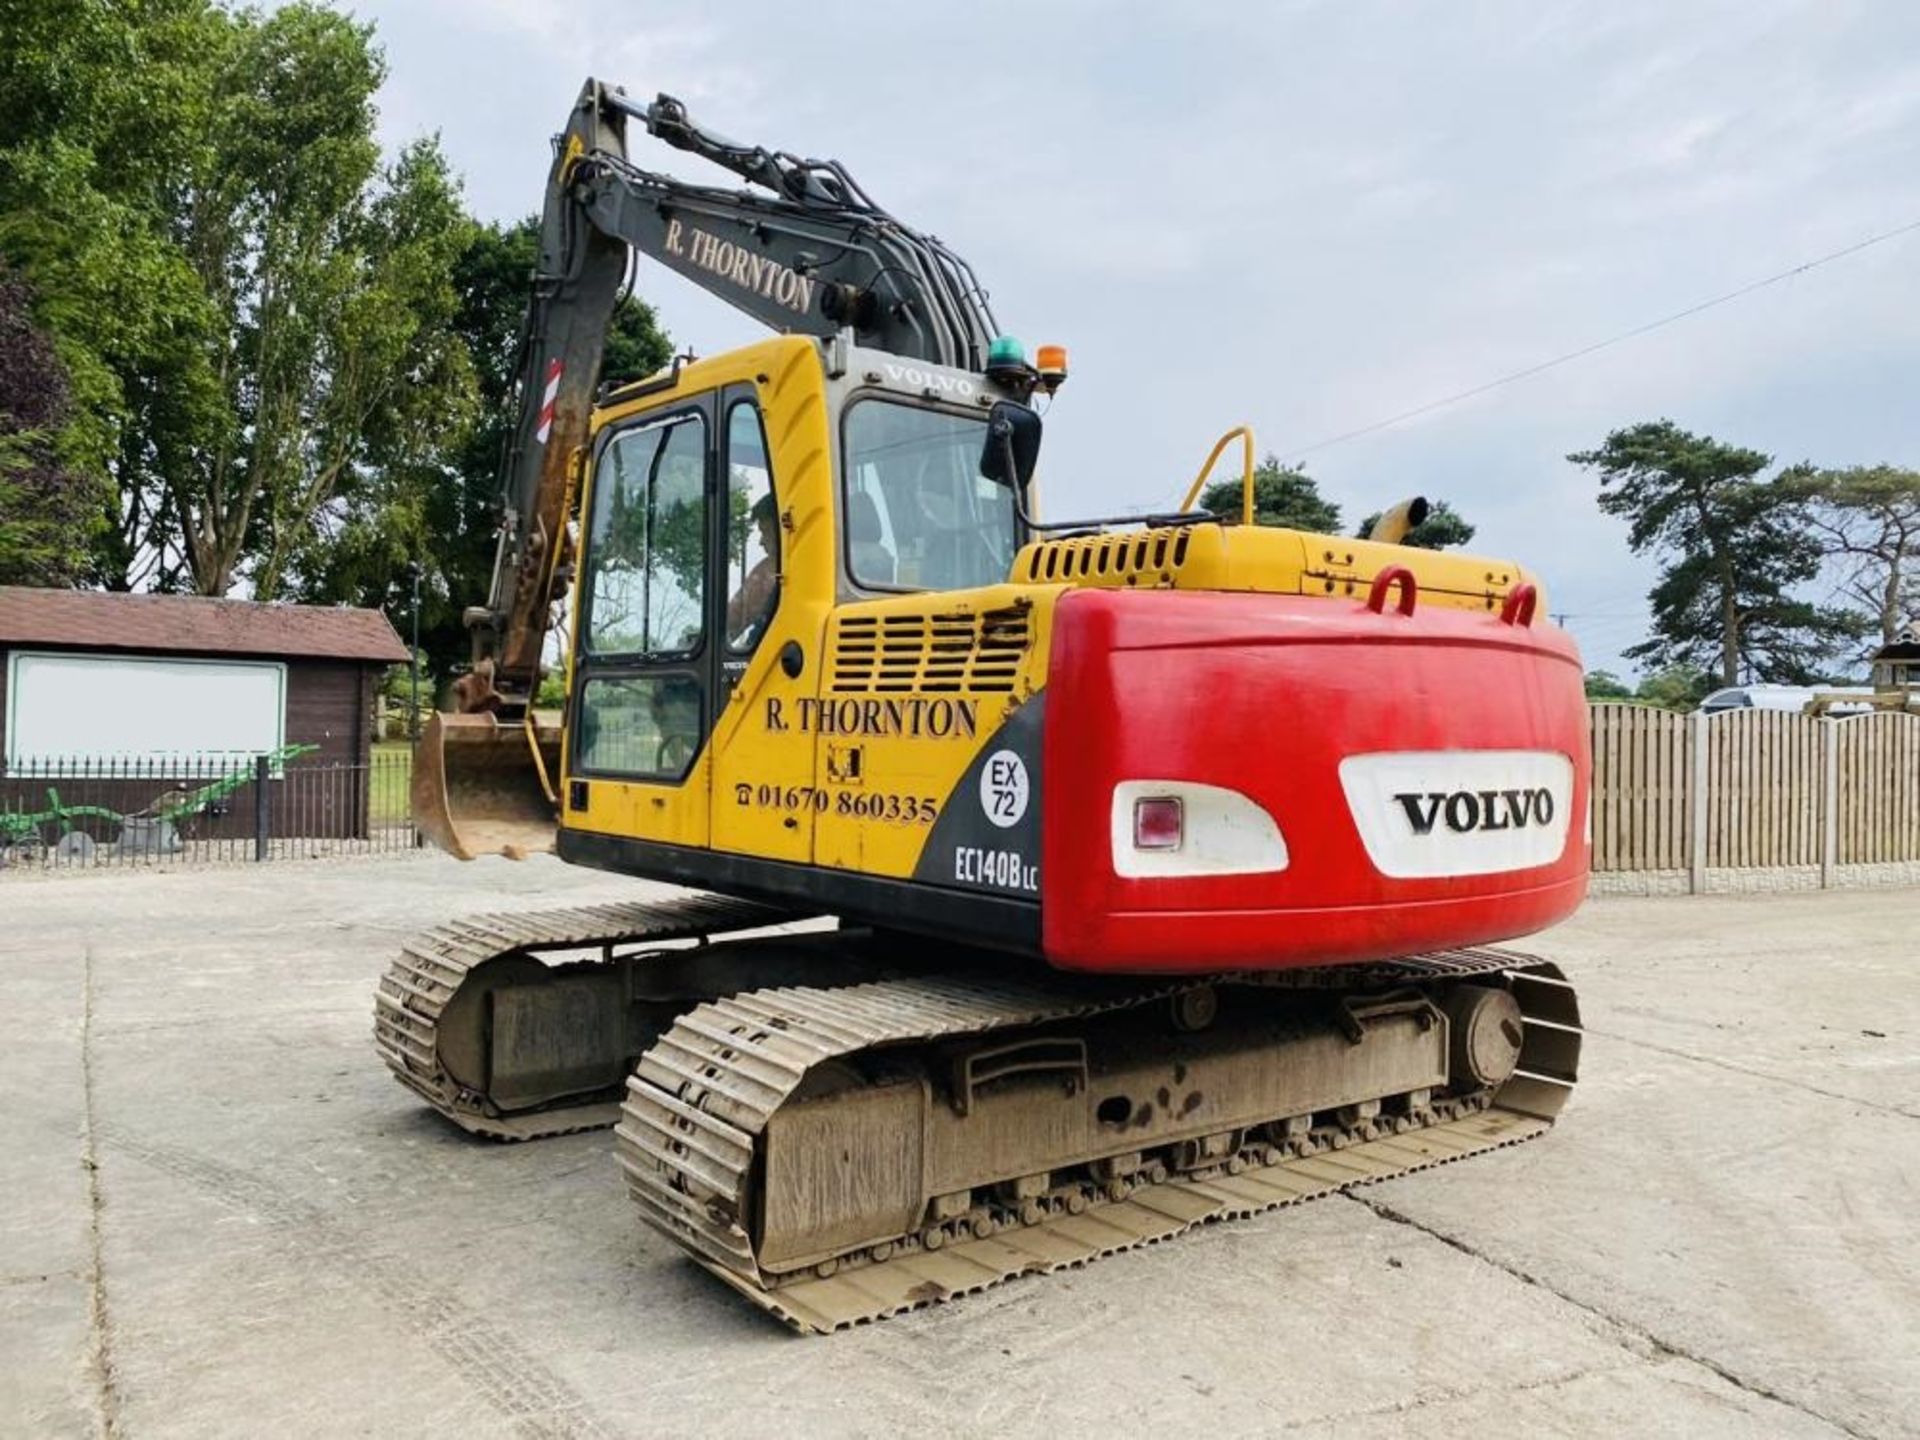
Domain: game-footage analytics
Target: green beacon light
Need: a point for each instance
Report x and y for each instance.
(1007, 365)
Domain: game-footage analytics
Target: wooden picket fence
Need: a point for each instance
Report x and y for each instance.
(1749, 790)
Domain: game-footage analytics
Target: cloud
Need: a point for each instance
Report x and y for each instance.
(1311, 216)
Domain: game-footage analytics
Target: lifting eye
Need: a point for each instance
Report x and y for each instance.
(1113, 1110)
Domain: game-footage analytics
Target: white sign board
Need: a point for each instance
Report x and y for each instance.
(69, 709)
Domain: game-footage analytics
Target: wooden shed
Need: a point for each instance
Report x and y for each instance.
(116, 693)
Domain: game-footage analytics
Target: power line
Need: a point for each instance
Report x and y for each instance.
(1609, 626)
(1611, 340)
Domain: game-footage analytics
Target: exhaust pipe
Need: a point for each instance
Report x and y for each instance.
(1392, 527)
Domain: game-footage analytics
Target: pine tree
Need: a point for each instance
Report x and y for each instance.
(1732, 553)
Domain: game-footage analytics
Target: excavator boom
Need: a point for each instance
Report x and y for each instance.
(806, 252)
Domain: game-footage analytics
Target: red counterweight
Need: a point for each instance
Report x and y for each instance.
(1356, 780)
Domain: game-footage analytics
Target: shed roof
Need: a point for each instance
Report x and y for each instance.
(1904, 647)
(96, 620)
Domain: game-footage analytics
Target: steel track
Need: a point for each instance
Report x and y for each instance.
(700, 1099)
(431, 966)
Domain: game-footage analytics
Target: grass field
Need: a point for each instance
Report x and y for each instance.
(391, 777)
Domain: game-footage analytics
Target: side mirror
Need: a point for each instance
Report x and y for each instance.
(1012, 447)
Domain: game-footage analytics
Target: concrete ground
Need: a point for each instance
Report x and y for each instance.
(223, 1218)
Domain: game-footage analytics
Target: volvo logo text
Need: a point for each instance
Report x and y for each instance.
(1464, 810)
(1426, 814)
(929, 380)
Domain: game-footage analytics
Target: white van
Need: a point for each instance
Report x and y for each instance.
(1785, 697)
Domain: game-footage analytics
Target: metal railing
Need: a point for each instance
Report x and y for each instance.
(207, 808)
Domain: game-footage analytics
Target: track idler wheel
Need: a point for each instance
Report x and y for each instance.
(1487, 1029)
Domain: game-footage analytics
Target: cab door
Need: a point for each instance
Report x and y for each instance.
(647, 664)
(765, 800)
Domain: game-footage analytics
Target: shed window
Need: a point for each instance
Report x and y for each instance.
(70, 709)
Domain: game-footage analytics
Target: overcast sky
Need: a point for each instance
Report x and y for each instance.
(1311, 216)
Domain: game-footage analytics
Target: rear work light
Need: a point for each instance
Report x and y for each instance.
(1169, 829)
(1158, 822)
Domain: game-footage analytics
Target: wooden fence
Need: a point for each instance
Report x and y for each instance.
(1753, 790)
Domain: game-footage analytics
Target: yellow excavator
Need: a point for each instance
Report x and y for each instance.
(1053, 886)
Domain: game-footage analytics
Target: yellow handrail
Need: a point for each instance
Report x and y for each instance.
(1245, 434)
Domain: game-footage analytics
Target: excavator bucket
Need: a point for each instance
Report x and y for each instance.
(477, 787)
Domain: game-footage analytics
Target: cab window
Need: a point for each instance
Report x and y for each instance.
(641, 705)
(646, 550)
(753, 530)
(918, 513)
(643, 726)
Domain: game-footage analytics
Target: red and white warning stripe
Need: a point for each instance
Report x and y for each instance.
(554, 368)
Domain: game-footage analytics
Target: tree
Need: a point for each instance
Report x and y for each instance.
(1605, 685)
(331, 280)
(402, 401)
(445, 515)
(1442, 527)
(103, 118)
(1731, 550)
(257, 315)
(48, 510)
(1677, 687)
(1282, 496)
(1867, 520)
(289, 365)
